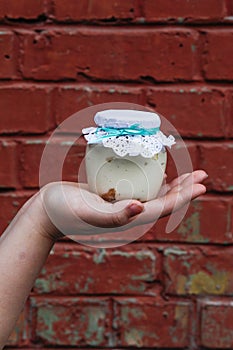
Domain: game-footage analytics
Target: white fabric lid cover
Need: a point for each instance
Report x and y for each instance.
(124, 118)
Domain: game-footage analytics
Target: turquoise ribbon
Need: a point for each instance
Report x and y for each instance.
(132, 130)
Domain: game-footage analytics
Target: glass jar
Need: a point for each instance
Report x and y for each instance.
(126, 156)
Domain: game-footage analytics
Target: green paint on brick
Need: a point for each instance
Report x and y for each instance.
(139, 288)
(193, 47)
(180, 20)
(128, 311)
(190, 225)
(95, 332)
(85, 289)
(99, 258)
(43, 285)
(174, 251)
(193, 90)
(186, 264)
(47, 318)
(134, 337)
(190, 229)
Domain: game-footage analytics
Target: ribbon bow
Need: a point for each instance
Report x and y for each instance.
(132, 130)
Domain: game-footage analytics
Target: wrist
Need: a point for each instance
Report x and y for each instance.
(35, 212)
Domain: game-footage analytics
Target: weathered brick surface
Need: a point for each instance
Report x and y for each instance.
(185, 10)
(217, 160)
(7, 55)
(190, 109)
(198, 271)
(21, 9)
(24, 109)
(230, 133)
(150, 11)
(72, 98)
(58, 57)
(11, 202)
(195, 227)
(92, 10)
(20, 334)
(8, 164)
(79, 270)
(72, 321)
(31, 154)
(68, 53)
(229, 5)
(218, 50)
(152, 323)
(182, 158)
(216, 328)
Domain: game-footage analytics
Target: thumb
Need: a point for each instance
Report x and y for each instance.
(123, 216)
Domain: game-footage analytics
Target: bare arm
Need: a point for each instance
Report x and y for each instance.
(26, 243)
(23, 250)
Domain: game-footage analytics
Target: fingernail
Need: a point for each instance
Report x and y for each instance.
(134, 209)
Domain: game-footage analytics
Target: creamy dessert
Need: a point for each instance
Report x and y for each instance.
(126, 155)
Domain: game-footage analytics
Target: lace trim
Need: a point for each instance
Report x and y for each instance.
(147, 146)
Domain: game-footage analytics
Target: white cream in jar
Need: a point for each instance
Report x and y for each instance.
(126, 156)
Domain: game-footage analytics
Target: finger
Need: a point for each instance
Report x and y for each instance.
(168, 186)
(122, 213)
(186, 180)
(173, 201)
(176, 200)
(179, 180)
(196, 176)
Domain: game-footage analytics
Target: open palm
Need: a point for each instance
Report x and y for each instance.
(74, 210)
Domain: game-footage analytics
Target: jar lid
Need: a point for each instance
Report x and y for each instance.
(123, 118)
(128, 132)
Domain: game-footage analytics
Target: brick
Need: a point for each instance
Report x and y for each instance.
(229, 5)
(216, 325)
(91, 10)
(20, 335)
(230, 122)
(127, 270)
(72, 98)
(231, 217)
(11, 202)
(72, 321)
(217, 160)
(195, 227)
(68, 53)
(218, 50)
(182, 158)
(31, 155)
(7, 55)
(24, 109)
(198, 271)
(190, 109)
(184, 10)
(8, 164)
(21, 9)
(152, 323)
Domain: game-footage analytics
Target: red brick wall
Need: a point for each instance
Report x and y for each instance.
(57, 57)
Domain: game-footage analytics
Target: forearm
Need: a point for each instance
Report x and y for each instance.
(24, 248)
